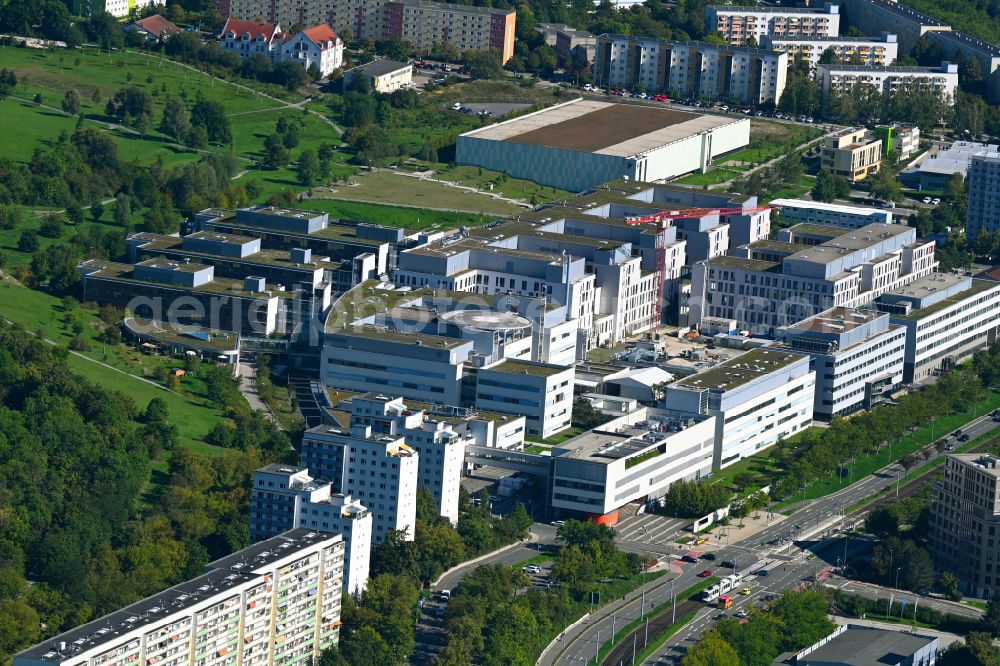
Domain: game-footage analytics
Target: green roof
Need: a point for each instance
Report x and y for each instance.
(515, 367)
(738, 371)
(824, 230)
(978, 286)
(727, 261)
(415, 339)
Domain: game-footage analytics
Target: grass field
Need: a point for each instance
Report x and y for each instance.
(389, 188)
(512, 188)
(37, 311)
(414, 219)
(770, 139)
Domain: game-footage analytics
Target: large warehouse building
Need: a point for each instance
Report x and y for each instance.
(580, 144)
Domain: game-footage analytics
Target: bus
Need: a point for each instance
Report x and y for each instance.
(725, 601)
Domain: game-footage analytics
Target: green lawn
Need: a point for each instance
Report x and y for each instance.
(512, 188)
(565, 435)
(794, 190)
(390, 188)
(37, 311)
(907, 445)
(414, 219)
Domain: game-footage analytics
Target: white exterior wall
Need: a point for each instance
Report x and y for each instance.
(833, 215)
(957, 330)
(886, 81)
(872, 52)
(306, 52)
(603, 486)
(442, 453)
(546, 401)
(840, 387)
(559, 344)
(749, 426)
(393, 372)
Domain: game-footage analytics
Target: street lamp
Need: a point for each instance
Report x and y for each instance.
(897, 577)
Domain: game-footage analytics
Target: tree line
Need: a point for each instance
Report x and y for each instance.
(82, 522)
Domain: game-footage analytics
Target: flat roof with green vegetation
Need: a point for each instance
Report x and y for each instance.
(195, 337)
(738, 371)
(516, 367)
(823, 230)
(776, 246)
(978, 286)
(370, 332)
(741, 263)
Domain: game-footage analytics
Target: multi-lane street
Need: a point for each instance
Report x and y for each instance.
(778, 542)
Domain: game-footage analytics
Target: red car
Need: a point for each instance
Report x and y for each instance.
(705, 574)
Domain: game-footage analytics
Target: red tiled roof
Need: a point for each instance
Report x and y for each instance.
(251, 28)
(990, 274)
(157, 25)
(321, 33)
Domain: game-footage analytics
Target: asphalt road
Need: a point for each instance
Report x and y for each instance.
(430, 634)
(816, 519)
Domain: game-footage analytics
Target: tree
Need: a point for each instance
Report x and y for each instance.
(586, 417)
(275, 153)
(949, 585)
(8, 80)
(825, 189)
(882, 522)
(175, 119)
(991, 618)
(885, 187)
(290, 74)
(129, 105)
(711, 650)
(212, 116)
(970, 112)
(105, 30)
(803, 615)
(71, 102)
(122, 210)
(978, 650)
(484, 64)
(308, 168)
(28, 241)
(828, 57)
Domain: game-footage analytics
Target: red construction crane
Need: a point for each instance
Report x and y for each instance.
(663, 220)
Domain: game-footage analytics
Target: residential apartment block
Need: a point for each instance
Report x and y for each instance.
(277, 601)
(955, 45)
(468, 27)
(757, 398)
(965, 522)
(800, 211)
(602, 470)
(739, 24)
(285, 497)
(440, 448)
(380, 471)
(420, 22)
(874, 17)
(190, 294)
(852, 153)
(947, 317)
(690, 69)
(983, 183)
(943, 80)
(857, 356)
(809, 269)
(857, 50)
(575, 46)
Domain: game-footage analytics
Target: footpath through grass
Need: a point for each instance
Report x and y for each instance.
(191, 412)
(889, 454)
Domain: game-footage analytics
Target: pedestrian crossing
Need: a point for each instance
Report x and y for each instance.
(649, 528)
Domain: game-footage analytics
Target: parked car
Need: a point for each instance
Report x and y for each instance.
(457, 106)
(741, 613)
(444, 595)
(935, 201)
(532, 569)
(708, 556)
(927, 200)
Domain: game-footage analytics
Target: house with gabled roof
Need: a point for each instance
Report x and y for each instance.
(318, 46)
(245, 38)
(154, 28)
